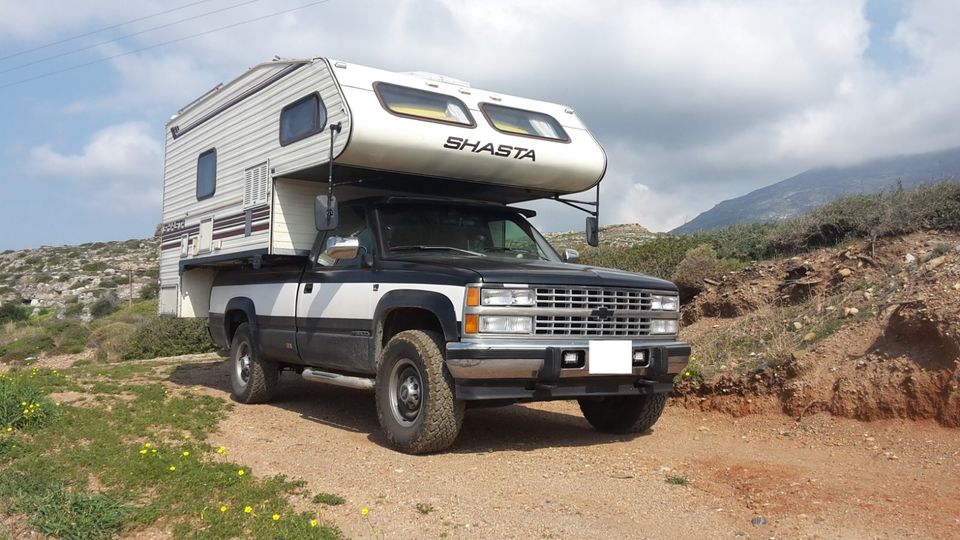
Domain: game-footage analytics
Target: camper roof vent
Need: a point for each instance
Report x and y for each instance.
(256, 185)
(438, 78)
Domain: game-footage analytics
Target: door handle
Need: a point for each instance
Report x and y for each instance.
(307, 288)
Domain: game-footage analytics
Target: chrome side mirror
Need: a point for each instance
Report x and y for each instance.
(338, 248)
(571, 255)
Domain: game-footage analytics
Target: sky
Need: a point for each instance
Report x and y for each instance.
(693, 101)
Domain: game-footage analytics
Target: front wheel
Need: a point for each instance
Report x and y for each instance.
(416, 402)
(623, 414)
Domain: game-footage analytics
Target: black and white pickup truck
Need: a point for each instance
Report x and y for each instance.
(440, 303)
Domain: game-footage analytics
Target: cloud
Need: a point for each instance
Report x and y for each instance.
(118, 170)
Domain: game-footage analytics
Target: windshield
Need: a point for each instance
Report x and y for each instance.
(461, 230)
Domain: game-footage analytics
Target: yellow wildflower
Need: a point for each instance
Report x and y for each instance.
(222, 450)
(9, 429)
(146, 445)
(143, 451)
(154, 450)
(241, 472)
(173, 468)
(276, 517)
(247, 510)
(186, 453)
(223, 508)
(364, 511)
(23, 403)
(313, 523)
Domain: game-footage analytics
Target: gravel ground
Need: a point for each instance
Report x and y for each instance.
(540, 471)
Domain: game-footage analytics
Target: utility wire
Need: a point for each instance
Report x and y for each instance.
(104, 29)
(184, 38)
(137, 33)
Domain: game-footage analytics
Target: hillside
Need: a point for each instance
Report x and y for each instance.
(807, 190)
(73, 278)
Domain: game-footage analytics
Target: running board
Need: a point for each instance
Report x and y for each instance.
(359, 383)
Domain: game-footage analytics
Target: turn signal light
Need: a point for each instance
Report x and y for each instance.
(471, 323)
(473, 296)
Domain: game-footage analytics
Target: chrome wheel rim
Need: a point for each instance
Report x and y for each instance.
(406, 392)
(242, 365)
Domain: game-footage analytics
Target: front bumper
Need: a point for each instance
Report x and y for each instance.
(513, 369)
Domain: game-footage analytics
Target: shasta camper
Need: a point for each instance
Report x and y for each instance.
(359, 227)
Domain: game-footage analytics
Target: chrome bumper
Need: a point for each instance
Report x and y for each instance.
(540, 359)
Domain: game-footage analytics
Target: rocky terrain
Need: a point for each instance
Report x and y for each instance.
(68, 279)
(628, 234)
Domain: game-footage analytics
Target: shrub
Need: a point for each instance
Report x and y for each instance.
(11, 312)
(22, 404)
(149, 291)
(69, 337)
(24, 347)
(700, 263)
(112, 340)
(169, 337)
(657, 257)
(103, 307)
(96, 266)
(108, 283)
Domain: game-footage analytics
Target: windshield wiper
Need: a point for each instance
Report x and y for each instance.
(436, 248)
(506, 249)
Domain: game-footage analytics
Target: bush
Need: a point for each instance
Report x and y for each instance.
(657, 257)
(112, 340)
(169, 337)
(96, 266)
(103, 307)
(69, 337)
(11, 312)
(149, 291)
(700, 263)
(30, 345)
(22, 404)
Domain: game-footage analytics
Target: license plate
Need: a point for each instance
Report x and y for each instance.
(611, 357)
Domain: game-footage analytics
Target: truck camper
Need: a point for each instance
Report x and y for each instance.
(358, 227)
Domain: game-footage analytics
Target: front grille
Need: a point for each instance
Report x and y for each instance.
(585, 326)
(592, 298)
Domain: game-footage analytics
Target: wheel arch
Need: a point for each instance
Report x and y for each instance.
(239, 310)
(419, 304)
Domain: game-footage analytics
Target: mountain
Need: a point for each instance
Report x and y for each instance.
(816, 187)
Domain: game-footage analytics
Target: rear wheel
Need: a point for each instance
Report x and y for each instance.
(623, 414)
(252, 379)
(416, 402)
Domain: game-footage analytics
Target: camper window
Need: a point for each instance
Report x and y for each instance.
(524, 123)
(207, 174)
(301, 119)
(423, 105)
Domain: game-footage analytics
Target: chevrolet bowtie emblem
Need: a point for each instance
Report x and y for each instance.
(603, 313)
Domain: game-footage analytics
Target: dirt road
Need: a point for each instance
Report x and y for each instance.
(540, 471)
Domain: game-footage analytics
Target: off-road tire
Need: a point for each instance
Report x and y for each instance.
(417, 356)
(623, 414)
(256, 379)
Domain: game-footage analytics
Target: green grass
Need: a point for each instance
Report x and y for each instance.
(139, 458)
(424, 508)
(677, 480)
(328, 499)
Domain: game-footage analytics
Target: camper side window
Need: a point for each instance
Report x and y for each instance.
(207, 174)
(423, 105)
(524, 123)
(301, 119)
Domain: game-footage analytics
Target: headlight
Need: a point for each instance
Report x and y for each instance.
(498, 324)
(664, 302)
(507, 297)
(663, 326)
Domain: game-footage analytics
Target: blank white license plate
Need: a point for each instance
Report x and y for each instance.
(611, 357)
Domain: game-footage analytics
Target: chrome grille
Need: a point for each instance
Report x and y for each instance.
(592, 298)
(584, 326)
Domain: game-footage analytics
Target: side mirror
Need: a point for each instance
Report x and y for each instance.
(593, 232)
(338, 248)
(571, 255)
(325, 214)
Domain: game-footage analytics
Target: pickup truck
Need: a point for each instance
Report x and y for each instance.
(437, 304)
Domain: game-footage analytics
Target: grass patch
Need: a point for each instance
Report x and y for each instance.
(328, 499)
(425, 508)
(678, 480)
(135, 460)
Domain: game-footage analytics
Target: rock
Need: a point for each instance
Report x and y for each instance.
(956, 286)
(797, 325)
(845, 272)
(934, 263)
(809, 337)
(909, 258)
(759, 520)
(850, 311)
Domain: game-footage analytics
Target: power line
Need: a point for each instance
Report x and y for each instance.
(88, 47)
(104, 29)
(198, 34)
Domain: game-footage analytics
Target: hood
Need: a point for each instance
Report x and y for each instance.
(534, 272)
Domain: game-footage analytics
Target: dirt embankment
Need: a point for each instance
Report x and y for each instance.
(894, 356)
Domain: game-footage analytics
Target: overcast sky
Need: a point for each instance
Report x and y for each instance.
(694, 101)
